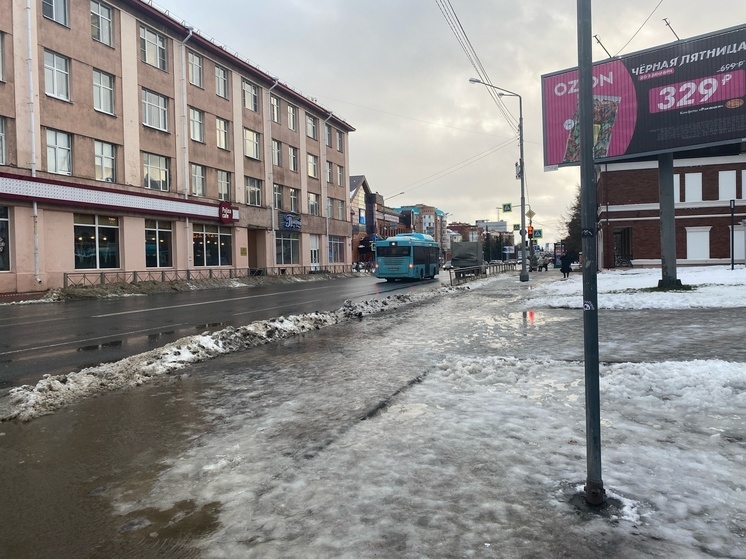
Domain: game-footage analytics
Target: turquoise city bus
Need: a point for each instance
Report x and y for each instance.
(407, 256)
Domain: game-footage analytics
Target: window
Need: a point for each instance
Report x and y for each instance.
(276, 155)
(56, 10)
(312, 124)
(328, 130)
(2, 140)
(329, 172)
(2, 54)
(101, 28)
(340, 141)
(294, 200)
(224, 186)
(96, 241)
(195, 69)
(152, 48)
(292, 158)
(221, 82)
(340, 209)
(313, 203)
(154, 110)
(196, 125)
(221, 127)
(56, 75)
(198, 180)
(292, 117)
(59, 152)
(251, 143)
(693, 187)
(313, 166)
(277, 193)
(103, 92)
(698, 243)
(211, 245)
(727, 185)
(155, 172)
(158, 244)
(287, 248)
(336, 249)
(105, 157)
(253, 191)
(251, 96)
(340, 175)
(275, 105)
(329, 207)
(4, 239)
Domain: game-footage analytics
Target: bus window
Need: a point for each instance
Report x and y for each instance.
(384, 251)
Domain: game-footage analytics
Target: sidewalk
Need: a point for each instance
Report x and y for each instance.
(16, 297)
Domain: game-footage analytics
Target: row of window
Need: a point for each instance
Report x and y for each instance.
(101, 18)
(692, 191)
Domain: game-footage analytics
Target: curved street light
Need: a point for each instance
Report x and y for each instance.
(519, 169)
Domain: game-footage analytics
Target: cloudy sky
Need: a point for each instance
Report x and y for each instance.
(395, 71)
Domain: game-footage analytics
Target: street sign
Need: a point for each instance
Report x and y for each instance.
(507, 208)
(530, 214)
(516, 227)
(537, 234)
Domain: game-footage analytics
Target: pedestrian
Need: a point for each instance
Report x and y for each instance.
(565, 268)
(545, 262)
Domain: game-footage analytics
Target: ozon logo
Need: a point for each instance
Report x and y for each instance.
(571, 86)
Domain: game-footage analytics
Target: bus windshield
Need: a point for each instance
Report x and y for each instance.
(384, 251)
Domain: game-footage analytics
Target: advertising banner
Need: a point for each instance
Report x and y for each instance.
(680, 96)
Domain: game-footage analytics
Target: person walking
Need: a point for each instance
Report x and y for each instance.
(565, 268)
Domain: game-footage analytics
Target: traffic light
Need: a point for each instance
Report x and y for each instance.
(530, 231)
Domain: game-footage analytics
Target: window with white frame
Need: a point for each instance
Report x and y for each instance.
(153, 48)
(698, 243)
(292, 158)
(277, 195)
(154, 110)
(287, 248)
(292, 117)
(276, 153)
(196, 124)
(329, 207)
(250, 96)
(224, 186)
(727, 185)
(105, 157)
(313, 203)
(340, 175)
(312, 127)
(198, 179)
(251, 143)
(253, 191)
(212, 245)
(221, 126)
(693, 187)
(56, 10)
(101, 27)
(156, 172)
(4, 239)
(328, 135)
(2, 140)
(313, 166)
(56, 75)
(294, 200)
(221, 82)
(158, 244)
(340, 141)
(329, 172)
(59, 152)
(103, 92)
(340, 209)
(275, 108)
(336, 249)
(195, 69)
(96, 242)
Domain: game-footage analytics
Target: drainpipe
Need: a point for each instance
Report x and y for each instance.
(325, 188)
(185, 138)
(32, 132)
(272, 249)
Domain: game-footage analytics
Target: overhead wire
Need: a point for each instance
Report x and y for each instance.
(640, 29)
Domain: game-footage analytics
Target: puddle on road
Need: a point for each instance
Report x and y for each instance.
(104, 345)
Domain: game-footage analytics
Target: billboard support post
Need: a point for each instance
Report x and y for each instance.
(668, 222)
(594, 486)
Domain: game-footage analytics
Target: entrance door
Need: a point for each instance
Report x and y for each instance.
(623, 247)
(315, 251)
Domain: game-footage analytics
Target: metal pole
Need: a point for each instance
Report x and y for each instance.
(732, 234)
(524, 274)
(594, 486)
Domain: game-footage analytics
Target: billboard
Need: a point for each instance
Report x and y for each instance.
(687, 94)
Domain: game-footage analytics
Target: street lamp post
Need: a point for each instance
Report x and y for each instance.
(519, 170)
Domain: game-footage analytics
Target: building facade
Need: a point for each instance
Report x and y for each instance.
(135, 148)
(705, 225)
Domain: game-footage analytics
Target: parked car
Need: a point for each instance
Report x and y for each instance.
(448, 265)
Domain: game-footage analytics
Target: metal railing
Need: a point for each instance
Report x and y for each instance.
(463, 275)
(98, 277)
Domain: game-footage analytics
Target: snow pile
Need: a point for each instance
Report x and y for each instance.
(54, 392)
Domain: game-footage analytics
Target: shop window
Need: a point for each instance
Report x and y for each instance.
(158, 244)
(212, 245)
(96, 242)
